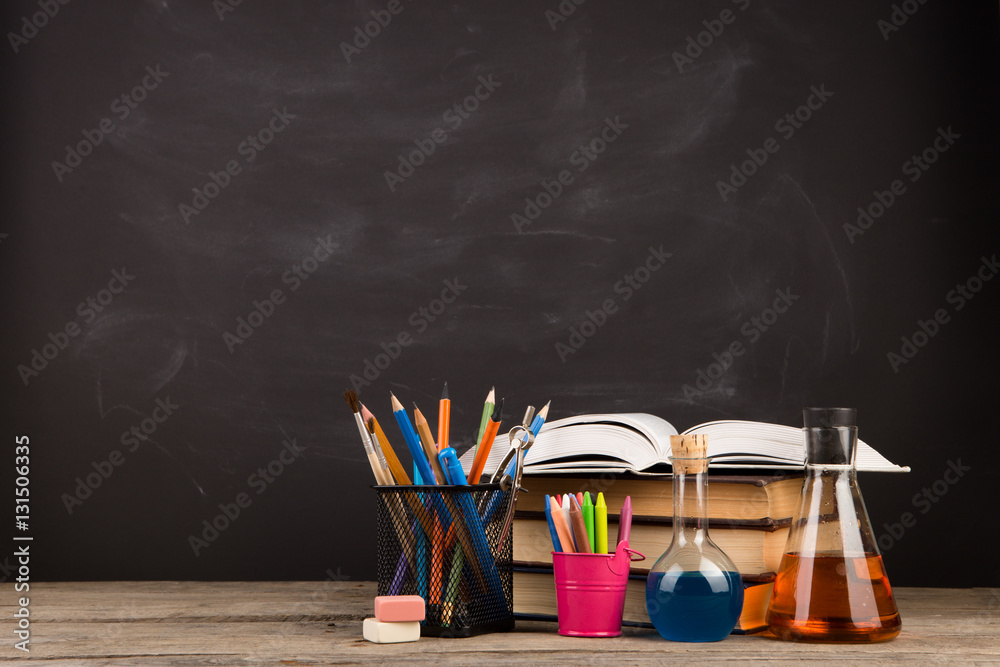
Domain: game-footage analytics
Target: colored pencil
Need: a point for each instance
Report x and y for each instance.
(539, 420)
(444, 418)
(493, 423)
(427, 440)
(487, 411)
(412, 441)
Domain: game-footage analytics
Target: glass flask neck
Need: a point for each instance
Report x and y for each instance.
(690, 490)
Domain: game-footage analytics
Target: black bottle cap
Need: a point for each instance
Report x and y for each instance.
(829, 417)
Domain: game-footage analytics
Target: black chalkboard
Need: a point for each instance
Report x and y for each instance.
(222, 214)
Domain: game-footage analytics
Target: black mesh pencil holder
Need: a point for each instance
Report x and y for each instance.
(442, 543)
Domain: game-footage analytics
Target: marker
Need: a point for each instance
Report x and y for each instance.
(601, 525)
(451, 467)
(412, 442)
(588, 518)
(556, 545)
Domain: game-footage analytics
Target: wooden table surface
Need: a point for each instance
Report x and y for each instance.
(295, 623)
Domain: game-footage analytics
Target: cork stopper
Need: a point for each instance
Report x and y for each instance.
(689, 453)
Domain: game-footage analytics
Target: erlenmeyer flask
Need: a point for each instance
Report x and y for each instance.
(832, 585)
(694, 593)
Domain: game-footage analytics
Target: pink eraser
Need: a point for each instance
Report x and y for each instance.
(399, 608)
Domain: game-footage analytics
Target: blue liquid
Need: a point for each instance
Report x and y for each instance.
(694, 606)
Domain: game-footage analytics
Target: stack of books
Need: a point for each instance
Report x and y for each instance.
(753, 494)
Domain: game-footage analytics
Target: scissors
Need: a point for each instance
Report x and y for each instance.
(521, 440)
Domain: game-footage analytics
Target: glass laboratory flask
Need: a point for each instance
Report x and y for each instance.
(694, 593)
(832, 585)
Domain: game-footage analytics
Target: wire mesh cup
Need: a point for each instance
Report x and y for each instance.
(442, 543)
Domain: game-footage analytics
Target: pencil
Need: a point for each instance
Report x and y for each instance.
(493, 423)
(398, 471)
(427, 440)
(539, 421)
(444, 418)
(412, 441)
(487, 411)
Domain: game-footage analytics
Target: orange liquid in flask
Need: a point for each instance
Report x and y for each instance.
(833, 598)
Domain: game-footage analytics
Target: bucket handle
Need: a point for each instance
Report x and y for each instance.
(624, 556)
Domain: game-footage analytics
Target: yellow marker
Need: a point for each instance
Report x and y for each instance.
(601, 525)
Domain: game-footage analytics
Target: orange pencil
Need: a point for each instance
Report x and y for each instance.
(444, 418)
(492, 425)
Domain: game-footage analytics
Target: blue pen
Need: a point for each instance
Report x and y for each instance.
(556, 546)
(410, 436)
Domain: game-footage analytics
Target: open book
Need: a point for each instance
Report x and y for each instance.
(640, 443)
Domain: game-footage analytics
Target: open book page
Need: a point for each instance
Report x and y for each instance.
(624, 441)
(734, 443)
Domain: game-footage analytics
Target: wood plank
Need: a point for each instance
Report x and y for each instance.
(229, 623)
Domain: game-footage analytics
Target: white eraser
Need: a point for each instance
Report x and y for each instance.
(391, 633)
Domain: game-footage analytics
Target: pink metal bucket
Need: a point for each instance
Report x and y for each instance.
(590, 591)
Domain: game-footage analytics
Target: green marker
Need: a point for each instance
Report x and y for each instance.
(587, 509)
(601, 525)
